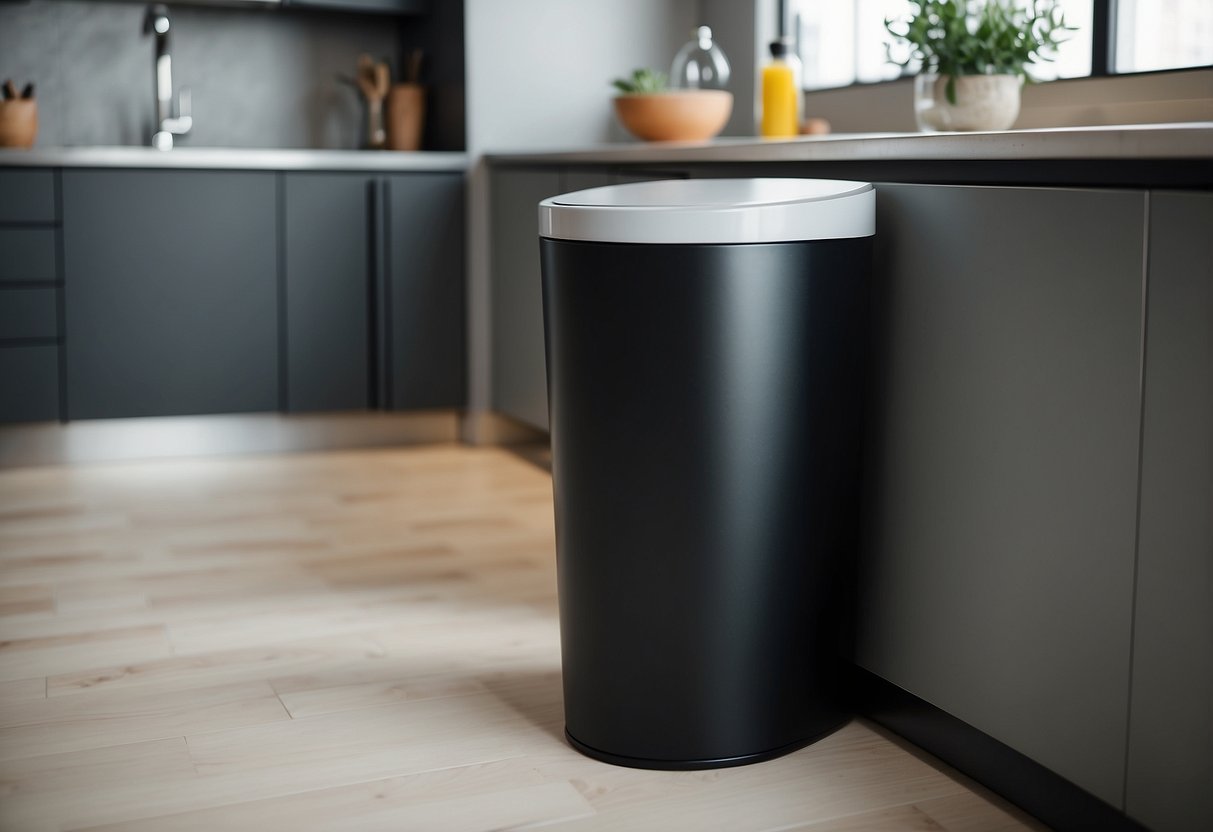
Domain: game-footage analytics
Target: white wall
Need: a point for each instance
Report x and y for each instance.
(743, 28)
(539, 71)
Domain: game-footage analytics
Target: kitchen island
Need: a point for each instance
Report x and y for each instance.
(1035, 576)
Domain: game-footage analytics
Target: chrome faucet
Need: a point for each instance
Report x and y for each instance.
(156, 22)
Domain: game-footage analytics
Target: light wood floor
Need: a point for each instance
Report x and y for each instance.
(346, 641)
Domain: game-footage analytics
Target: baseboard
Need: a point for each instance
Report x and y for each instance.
(1049, 797)
(488, 427)
(111, 440)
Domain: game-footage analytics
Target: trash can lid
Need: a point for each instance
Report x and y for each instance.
(709, 211)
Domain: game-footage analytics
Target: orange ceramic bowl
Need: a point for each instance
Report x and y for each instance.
(675, 116)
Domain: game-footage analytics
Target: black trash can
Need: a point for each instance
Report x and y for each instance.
(705, 350)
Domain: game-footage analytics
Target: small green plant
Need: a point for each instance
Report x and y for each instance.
(642, 81)
(979, 37)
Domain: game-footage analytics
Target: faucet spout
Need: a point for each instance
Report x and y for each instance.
(156, 22)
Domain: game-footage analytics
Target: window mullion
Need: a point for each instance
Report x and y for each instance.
(1103, 38)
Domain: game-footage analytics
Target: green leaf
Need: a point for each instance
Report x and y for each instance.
(642, 81)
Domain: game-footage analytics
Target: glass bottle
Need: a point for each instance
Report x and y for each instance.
(700, 64)
(781, 93)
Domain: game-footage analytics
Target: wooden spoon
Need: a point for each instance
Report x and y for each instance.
(367, 80)
(383, 80)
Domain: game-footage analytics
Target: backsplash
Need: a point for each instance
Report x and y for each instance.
(259, 78)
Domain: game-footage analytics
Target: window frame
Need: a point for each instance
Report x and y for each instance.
(1103, 55)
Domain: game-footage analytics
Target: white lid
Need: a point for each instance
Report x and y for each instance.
(713, 211)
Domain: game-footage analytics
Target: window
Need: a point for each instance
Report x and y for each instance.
(1073, 58)
(1163, 34)
(843, 42)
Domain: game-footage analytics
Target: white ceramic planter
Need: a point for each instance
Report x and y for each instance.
(983, 102)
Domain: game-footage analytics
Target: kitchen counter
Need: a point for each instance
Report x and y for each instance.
(230, 158)
(1038, 425)
(1145, 141)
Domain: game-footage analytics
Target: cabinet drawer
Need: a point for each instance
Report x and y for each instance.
(29, 383)
(29, 313)
(27, 196)
(28, 254)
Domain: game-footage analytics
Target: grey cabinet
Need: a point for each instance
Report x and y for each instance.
(374, 291)
(1170, 766)
(213, 292)
(519, 374)
(171, 297)
(29, 297)
(519, 387)
(327, 291)
(424, 291)
(580, 179)
(30, 254)
(28, 196)
(29, 312)
(996, 580)
(29, 382)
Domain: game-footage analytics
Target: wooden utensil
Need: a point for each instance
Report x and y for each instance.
(383, 79)
(413, 74)
(366, 77)
(374, 80)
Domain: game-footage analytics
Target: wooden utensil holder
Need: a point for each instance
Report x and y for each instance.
(18, 122)
(405, 116)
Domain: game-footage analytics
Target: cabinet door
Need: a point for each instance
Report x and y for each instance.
(27, 195)
(997, 578)
(581, 179)
(328, 290)
(29, 382)
(170, 292)
(425, 291)
(1170, 779)
(519, 366)
(29, 354)
(29, 254)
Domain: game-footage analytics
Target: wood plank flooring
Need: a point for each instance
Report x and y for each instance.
(347, 641)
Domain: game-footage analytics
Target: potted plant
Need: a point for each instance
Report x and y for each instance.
(975, 55)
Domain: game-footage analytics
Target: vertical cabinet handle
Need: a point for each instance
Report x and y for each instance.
(373, 258)
(381, 306)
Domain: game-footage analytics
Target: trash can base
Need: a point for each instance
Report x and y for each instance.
(695, 765)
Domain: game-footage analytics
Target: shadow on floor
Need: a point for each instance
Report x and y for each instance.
(538, 454)
(536, 695)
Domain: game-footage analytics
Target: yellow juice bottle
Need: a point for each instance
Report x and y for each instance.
(781, 93)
